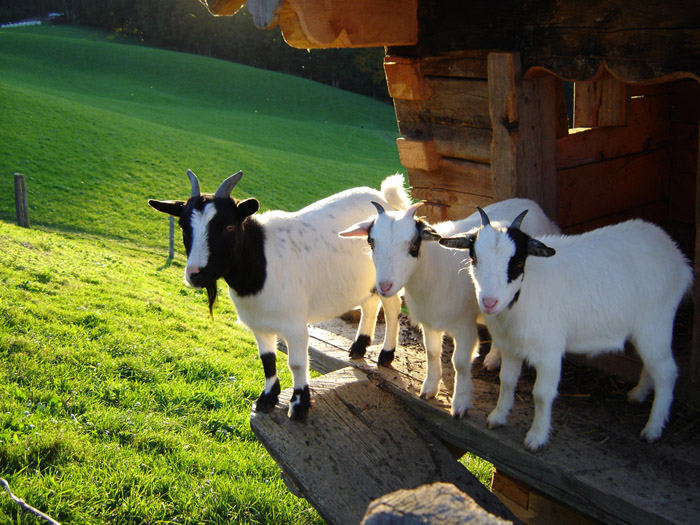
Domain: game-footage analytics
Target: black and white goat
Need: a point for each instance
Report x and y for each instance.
(586, 294)
(438, 298)
(285, 270)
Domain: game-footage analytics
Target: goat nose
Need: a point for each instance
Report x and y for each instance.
(385, 286)
(489, 302)
(191, 270)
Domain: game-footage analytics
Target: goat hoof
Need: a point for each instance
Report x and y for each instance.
(359, 347)
(268, 400)
(386, 357)
(300, 404)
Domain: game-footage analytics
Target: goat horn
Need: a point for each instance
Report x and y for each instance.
(380, 208)
(411, 210)
(484, 218)
(195, 184)
(518, 220)
(224, 191)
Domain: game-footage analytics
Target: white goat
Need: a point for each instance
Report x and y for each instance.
(285, 270)
(437, 297)
(587, 294)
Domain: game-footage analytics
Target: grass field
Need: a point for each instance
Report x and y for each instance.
(120, 400)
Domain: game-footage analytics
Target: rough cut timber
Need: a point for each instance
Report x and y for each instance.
(600, 102)
(358, 445)
(436, 503)
(595, 461)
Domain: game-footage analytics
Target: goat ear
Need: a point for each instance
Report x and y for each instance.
(248, 207)
(539, 249)
(360, 229)
(169, 207)
(429, 234)
(463, 241)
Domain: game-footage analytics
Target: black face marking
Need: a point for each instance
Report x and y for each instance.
(269, 362)
(414, 247)
(236, 245)
(370, 240)
(516, 265)
(514, 300)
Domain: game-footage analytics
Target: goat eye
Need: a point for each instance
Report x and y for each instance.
(370, 241)
(230, 228)
(413, 250)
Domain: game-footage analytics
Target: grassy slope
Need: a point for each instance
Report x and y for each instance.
(102, 126)
(119, 400)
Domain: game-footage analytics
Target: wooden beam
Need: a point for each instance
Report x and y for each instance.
(354, 448)
(524, 121)
(695, 356)
(600, 102)
(404, 78)
(418, 154)
(320, 24)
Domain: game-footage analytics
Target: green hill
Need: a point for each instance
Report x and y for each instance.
(99, 125)
(120, 401)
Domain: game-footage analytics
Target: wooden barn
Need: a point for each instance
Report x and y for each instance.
(483, 91)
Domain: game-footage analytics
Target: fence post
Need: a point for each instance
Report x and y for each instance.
(171, 246)
(21, 201)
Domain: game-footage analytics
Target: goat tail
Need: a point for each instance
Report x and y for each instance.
(395, 193)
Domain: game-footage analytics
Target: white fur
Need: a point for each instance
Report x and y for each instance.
(599, 289)
(437, 296)
(312, 275)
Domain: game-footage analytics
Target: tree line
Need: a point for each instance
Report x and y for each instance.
(187, 25)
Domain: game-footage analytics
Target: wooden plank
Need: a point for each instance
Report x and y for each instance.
(418, 154)
(453, 138)
(600, 102)
(595, 461)
(648, 129)
(404, 79)
(523, 147)
(637, 42)
(656, 212)
(504, 94)
(435, 503)
(354, 449)
(463, 64)
(456, 175)
(695, 355)
(600, 189)
(444, 205)
(321, 24)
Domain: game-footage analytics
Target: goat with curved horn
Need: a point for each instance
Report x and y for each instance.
(195, 184)
(224, 190)
(380, 208)
(518, 220)
(484, 218)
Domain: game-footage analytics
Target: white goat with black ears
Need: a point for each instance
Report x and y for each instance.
(438, 298)
(587, 294)
(285, 270)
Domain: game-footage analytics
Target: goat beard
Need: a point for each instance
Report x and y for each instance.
(211, 296)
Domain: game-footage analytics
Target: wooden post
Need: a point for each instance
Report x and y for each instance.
(171, 244)
(524, 122)
(21, 201)
(695, 351)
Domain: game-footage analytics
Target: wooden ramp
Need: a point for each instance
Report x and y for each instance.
(359, 444)
(595, 461)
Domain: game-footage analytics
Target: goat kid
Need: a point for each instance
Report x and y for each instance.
(285, 270)
(438, 298)
(586, 294)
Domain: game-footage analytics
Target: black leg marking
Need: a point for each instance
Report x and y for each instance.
(386, 357)
(359, 347)
(269, 362)
(300, 403)
(267, 400)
